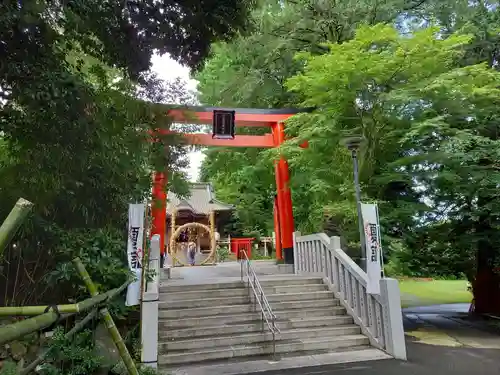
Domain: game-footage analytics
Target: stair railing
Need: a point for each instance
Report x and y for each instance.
(378, 315)
(259, 298)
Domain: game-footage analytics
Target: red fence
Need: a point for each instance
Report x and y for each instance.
(238, 244)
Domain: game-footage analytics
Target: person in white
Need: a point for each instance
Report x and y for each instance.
(191, 253)
(166, 260)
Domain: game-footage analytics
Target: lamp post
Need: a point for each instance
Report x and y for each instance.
(353, 144)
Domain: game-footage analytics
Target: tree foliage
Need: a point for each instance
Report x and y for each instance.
(241, 75)
(77, 108)
(77, 105)
(419, 81)
(122, 33)
(413, 108)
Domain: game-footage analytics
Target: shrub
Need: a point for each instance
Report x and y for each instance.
(75, 356)
(222, 253)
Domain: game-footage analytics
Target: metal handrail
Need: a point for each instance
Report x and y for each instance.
(260, 298)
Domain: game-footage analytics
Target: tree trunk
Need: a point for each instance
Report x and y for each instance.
(486, 286)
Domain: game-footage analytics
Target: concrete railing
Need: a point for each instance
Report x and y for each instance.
(149, 308)
(379, 316)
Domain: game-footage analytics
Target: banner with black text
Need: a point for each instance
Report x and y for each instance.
(373, 247)
(135, 250)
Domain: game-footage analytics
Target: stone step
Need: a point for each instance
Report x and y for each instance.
(289, 281)
(255, 349)
(166, 312)
(302, 296)
(239, 292)
(245, 317)
(222, 301)
(346, 357)
(171, 287)
(201, 294)
(294, 288)
(255, 337)
(255, 326)
(204, 302)
(201, 312)
(266, 281)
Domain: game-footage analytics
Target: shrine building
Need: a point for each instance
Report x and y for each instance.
(200, 207)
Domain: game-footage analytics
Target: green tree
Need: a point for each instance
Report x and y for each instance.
(428, 125)
(424, 100)
(243, 185)
(252, 70)
(77, 106)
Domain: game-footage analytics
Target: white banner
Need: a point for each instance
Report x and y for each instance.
(373, 246)
(134, 290)
(135, 250)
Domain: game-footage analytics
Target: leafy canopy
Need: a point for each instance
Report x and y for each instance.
(77, 105)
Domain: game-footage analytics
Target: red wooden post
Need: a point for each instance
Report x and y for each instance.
(277, 232)
(159, 207)
(284, 197)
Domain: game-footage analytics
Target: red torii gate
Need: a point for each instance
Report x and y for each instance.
(270, 118)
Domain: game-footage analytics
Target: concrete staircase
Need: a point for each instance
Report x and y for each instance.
(216, 321)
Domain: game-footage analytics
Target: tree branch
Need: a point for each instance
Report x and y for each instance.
(414, 6)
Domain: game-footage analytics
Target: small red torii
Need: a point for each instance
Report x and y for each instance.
(271, 118)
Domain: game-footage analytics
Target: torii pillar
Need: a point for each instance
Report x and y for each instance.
(284, 199)
(277, 232)
(159, 208)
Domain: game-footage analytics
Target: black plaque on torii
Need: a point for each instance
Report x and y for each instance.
(223, 124)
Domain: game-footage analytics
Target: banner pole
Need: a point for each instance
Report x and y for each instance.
(381, 253)
(145, 252)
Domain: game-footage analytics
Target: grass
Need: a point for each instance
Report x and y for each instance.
(435, 292)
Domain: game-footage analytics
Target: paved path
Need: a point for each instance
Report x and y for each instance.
(438, 342)
(222, 270)
(448, 309)
(422, 360)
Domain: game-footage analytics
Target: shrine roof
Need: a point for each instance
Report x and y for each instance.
(201, 201)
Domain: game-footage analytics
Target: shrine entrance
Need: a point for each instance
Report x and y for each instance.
(193, 226)
(224, 122)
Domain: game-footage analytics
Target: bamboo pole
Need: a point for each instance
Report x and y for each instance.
(106, 316)
(172, 247)
(77, 328)
(63, 309)
(13, 221)
(145, 253)
(17, 330)
(211, 220)
(38, 310)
